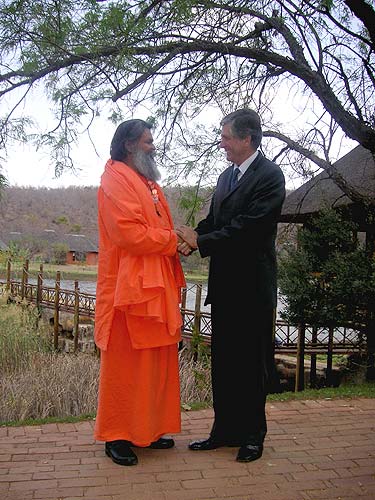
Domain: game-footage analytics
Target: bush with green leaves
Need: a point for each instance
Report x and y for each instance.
(59, 251)
(329, 277)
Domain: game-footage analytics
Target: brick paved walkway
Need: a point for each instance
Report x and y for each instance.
(314, 450)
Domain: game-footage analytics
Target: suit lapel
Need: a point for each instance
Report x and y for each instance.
(223, 186)
(250, 171)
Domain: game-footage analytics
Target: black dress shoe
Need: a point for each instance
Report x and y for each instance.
(162, 444)
(205, 444)
(249, 453)
(120, 452)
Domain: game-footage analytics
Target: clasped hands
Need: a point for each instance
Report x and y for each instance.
(187, 239)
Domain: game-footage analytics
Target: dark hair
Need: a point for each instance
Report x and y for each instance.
(128, 131)
(243, 123)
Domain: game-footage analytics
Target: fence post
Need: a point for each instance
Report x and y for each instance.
(9, 267)
(39, 288)
(56, 313)
(314, 340)
(197, 309)
(300, 364)
(329, 357)
(76, 315)
(197, 319)
(25, 274)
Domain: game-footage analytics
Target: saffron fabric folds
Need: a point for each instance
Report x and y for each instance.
(139, 391)
(139, 270)
(138, 319)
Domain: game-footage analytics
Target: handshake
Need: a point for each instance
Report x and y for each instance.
(187, 240)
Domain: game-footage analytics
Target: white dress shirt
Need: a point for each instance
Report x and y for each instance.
(245, 164)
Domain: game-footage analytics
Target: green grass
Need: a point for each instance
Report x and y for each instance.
(365, 390)
(67, 271)
(75, 271)
(196, 277)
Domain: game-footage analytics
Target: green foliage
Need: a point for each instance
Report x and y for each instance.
(20, 337)
(76, 228)
(191, 202)
(61, 219)
(328, 4)
(190, 62)
(329, 279)
(334, 236)
(199, 348)
(18, 252)
(59, 253)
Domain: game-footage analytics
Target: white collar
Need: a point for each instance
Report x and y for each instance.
(246, 164)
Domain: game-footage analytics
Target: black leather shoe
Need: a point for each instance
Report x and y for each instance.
(162, 444)
(120, 452)
(205, 444)
(249, 453)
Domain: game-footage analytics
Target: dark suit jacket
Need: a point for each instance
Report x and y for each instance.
(239, 234)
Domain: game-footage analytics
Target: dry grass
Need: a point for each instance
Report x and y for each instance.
(36, 383)
(195, 379)
(53, 385)
(20, 337)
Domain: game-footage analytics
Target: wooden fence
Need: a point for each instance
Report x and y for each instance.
(299, 341)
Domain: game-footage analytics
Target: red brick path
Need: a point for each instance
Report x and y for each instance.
(314, 450)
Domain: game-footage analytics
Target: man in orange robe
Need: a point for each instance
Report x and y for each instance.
(137, 319)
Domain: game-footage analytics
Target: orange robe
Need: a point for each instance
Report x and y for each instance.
(137, 319)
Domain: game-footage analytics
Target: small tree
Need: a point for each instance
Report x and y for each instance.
(17, 252)
(328, 279)
(59, 253)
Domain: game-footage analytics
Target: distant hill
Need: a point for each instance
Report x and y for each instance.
(30, 211)
(74, 210)
(65, 210)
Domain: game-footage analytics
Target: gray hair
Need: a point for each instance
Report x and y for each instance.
(244, 123)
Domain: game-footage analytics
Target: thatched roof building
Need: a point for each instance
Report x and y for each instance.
(79, 247)
(79, 243)
(358, 169)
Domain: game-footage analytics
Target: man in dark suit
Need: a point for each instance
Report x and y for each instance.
(238, 235)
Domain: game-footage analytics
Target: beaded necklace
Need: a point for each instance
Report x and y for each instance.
(154, 194)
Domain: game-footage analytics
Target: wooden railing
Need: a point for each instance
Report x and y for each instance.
(52, 297)
(298, 340)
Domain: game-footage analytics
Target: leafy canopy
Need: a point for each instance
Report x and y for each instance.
(306, 66)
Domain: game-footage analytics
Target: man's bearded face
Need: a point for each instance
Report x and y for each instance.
(146, 165)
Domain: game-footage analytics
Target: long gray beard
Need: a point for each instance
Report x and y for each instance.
(145, 165)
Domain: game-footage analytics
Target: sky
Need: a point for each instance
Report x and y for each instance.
(27, 167)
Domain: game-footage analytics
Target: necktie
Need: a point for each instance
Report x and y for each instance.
(234, 178)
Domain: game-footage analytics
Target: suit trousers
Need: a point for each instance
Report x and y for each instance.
(241, 358)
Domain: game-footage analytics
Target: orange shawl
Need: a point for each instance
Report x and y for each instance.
(139, 270)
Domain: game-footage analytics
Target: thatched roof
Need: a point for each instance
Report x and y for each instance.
(74, 242)
(79, 243)
(358, 169)
(48, 235)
